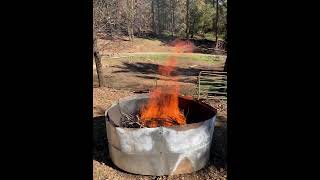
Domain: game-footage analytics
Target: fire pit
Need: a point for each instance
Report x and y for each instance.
(161, 150)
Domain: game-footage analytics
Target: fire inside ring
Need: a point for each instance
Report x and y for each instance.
(176, 149)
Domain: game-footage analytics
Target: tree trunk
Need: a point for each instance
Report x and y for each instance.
(217, 22)
(158, 16)
(153, 20)
(132, 32)
(173, 25)
(97, 59)
(192, 28)
(187, 21)
(130, 18)
(129, 31)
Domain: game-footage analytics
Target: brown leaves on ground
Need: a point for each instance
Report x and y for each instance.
(221, 107)
(104, 97)
(103, 172)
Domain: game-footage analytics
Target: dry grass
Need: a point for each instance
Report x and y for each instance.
(108, 47)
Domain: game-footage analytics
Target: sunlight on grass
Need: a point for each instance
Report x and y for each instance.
(212, 37)
(163, 57)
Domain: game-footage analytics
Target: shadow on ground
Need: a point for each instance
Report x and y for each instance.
(101, 153)
(150, 71)
(100, 146)
(151, 68)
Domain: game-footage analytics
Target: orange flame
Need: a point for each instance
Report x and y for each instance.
(162, 108)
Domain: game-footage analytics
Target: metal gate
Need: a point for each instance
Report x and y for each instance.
(212, 84)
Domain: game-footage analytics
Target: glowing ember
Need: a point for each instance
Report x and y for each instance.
(162, 108)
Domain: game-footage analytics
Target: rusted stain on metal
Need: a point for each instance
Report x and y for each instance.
(184, 166)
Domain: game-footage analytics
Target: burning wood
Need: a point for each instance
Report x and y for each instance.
(130, 121)
(160, 122)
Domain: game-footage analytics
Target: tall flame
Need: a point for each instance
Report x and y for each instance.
(162, 108)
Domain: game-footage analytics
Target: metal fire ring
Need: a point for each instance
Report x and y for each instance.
(162, 150)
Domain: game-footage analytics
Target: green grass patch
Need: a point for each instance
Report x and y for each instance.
(164, 57)
(208, 36)
(166, 34)
(212, 37)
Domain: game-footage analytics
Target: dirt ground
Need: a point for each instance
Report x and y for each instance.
(103, 168)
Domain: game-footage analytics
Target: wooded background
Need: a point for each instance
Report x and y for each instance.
(180, 18)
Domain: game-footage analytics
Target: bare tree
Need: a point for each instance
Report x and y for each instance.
(153, 17)
(130, 18)
(178, 17)
(187, 20)
(158, 17)
(217, 22)
(173, 9)
(144, 21)
(97, 59)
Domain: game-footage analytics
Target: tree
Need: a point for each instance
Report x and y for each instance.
(158, 17)
(200, 17)
(97, 59)
(173, 9)
(153, 17)
(204, 22)
(217, 21)
(176, 17)
(223, 18)
(130, 18)
(194, 17)
(187, 19)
